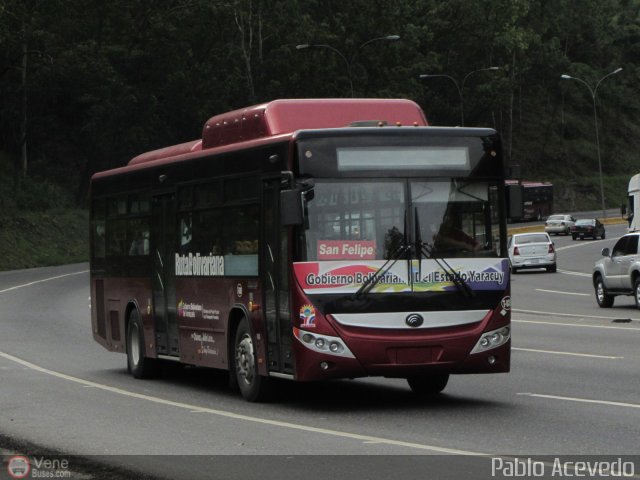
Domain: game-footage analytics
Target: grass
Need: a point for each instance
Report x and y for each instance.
(39, 226)
(36, 239)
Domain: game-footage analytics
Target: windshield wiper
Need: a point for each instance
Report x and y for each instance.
(379, 274)
(429, 251)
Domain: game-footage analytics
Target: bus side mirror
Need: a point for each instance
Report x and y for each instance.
(291, 211)
(605, 252)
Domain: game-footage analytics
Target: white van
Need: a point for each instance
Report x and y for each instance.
(634, 203)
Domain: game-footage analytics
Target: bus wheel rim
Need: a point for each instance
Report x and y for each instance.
(245, 359)
(134, 346)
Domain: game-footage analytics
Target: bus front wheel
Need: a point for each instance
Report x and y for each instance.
(138, 364)
(428, 384)
(253, 386)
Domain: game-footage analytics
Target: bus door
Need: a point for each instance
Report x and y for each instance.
(275, 281)
(164, 292)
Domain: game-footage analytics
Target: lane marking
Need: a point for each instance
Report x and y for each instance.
(237, 416)
(567, 247)
(581, 400)
(607, 327)
(589, 355)
(577, 274)
(563, 293)
(575, 315)
(43, 280)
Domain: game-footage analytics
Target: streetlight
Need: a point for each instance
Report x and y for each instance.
(594, 92)
(460, 88)
(348, 61)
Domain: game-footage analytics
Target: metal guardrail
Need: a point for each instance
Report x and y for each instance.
(613, 218)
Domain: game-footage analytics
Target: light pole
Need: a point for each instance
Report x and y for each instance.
(459, 88)
(594, 92)
(348, 61)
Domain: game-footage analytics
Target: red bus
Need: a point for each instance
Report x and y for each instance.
(308, 240)
(535, 199)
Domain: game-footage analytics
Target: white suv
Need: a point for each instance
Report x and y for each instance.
(618, 272)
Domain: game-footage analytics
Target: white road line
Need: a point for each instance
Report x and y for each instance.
(43, 280)
(581, 325)
(582, 400)
(577, 274)
(563, 293)
(237, 416)
(589, 355)
(581, 244)
(575, 315)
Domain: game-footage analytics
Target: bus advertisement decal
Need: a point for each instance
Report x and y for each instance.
(308, 316)
(346, 250)
(348, 277)
(196, 265)
(479, 274)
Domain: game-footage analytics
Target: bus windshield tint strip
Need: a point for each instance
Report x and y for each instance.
(393, 158)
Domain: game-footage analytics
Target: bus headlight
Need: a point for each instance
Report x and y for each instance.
(323, 343)
(493, 339)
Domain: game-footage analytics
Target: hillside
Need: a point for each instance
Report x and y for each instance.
(39, 225)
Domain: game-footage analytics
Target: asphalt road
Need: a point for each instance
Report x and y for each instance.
(573, 390)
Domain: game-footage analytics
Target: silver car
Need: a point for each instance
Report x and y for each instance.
(618, 271)
(559, 223)
(532, 250)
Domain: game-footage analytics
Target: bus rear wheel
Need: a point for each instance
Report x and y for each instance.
(138, 364)
(253, 386)
(428, 384)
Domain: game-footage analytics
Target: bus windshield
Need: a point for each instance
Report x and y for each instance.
(366, 219)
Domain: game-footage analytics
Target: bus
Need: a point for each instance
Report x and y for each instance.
(633, 203)
(535, 199)
(307, 239)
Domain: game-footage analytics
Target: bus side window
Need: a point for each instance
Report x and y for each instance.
(186, 233)
(98, 239)
(98, 228)
(206, 233)
(241, 233)
(115, 238)
(138, 237)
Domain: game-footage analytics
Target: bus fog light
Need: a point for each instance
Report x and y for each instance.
(491, 360)
(324, 366)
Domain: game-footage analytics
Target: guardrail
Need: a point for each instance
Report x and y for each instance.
(539, 227)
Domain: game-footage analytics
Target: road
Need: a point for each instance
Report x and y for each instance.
(572, 391)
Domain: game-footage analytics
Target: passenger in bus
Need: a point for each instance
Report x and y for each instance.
(393, 241)
(186, 235)
(140, 244)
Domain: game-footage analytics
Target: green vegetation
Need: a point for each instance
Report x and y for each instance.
(35, 239)
(39, 225)
(89, 84)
